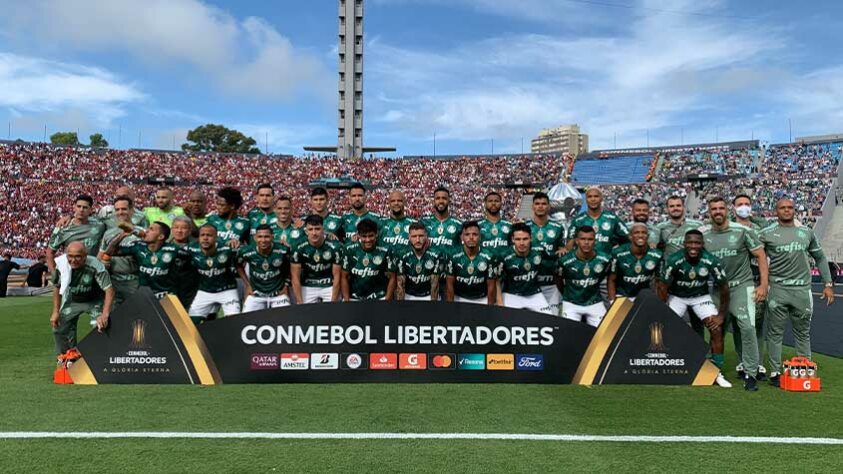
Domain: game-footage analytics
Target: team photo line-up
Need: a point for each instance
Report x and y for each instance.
(734, 270)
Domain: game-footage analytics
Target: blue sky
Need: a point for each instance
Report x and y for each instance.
(470, 71)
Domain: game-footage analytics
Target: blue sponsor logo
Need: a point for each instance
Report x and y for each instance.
(471, 362)
(529, 362)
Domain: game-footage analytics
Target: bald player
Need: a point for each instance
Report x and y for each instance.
(609, 231)
(83, 286)
(395, 229)
(196, 209)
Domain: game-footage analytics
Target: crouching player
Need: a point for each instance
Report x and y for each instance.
(268, 270)
(683, 284)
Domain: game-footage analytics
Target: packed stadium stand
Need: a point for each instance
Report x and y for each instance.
(38, 182)
(594, 170)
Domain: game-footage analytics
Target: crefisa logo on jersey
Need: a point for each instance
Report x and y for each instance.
(657, 359)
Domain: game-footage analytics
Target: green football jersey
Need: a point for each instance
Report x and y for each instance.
(757, 223)
(217, 272)
(418, 272)
(185, 281)
(258, 217)
(157, 270)
(290, 236)
(608, 228)
(156, 214)
(368, 271)
(494, 236)
(790, 249)
(444, 235)
(350, 221)
(520, 275)
(671, 237)
(236, 228)
(89, 233)
(267, 273)
(687, 279)
(317, 263)
(332, 224)
(734, 247)
(549, 237)
(87, 283)
(581, 278)
(633, 274)
(121, 268)
(395, 235)
(471, 274)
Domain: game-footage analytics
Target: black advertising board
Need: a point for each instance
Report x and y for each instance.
(154, 341)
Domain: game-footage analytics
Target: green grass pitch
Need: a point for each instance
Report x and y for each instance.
(30, 402)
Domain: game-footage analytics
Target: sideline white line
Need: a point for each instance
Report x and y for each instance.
(415, 436)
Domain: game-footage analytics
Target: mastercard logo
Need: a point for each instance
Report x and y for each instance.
(442, 361)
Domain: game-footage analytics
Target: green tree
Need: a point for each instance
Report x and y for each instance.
(64, 138)
(97, 141)
(220, 139)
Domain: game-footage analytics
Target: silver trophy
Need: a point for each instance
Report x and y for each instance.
(565, 203)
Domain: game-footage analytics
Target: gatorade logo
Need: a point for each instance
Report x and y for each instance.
(806, 385)
(412, 361)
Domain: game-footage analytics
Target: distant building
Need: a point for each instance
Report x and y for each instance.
(564, 139)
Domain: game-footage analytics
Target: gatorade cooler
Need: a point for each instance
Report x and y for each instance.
(800, 375)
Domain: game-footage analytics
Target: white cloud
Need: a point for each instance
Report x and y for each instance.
(43, 86)
(286, 137)
(247, 58)
(658, 71)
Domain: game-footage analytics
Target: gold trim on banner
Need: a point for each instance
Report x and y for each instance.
(196, 348)
(707, 374)
(599, 345)
(81, 373)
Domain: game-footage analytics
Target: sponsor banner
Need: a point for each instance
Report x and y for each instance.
(407, 342)
(151, 341)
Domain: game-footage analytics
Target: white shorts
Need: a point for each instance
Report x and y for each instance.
(460, 299)
(592, 314)
(371, 299)
(313, 294)
(553, 297)
(535, 302)
(205, 303)
(416, 298)
(257, 303)
(703, 306)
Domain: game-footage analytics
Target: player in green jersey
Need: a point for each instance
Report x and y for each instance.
(122, 270)
(264, 268)
(157, 260)
(734, 245)
(181, 236)
(634, 265)
(443, 230)
(285, 230)
(608, 228)
(332, 223)
(518, 274)
(683, 284)
(106, 213)
(742, 205)
(315, 269)
(494, 231)
(264, 210)
(791, 248)
(418, 270)
(196, 210)
(80, 228)
(232, 229)
(547, 235)
(358, 212)
(641, 215)
(471, 276)
(671, 233)
(580, 275)
(86, 289)
(164, 210)
(367, 269)
(395, 230)
(216, 268)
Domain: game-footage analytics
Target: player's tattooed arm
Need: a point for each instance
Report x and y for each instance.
(434, 288)
(399, 287)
